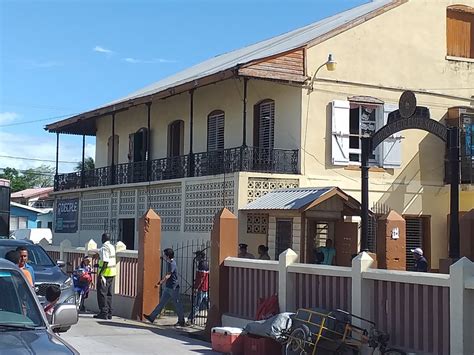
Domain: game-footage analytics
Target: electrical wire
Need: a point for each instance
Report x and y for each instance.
(41, 160)
(34, 121)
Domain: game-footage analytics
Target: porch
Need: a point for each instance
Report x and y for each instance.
(243, 158)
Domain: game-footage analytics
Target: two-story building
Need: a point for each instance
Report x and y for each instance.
(231, 129)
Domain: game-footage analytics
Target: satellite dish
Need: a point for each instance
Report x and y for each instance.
(407, 104)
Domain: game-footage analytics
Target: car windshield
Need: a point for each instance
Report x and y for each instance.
(18, 309)
(36, 255)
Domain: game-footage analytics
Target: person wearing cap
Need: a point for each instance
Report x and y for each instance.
(421, 264)
(201, 284)
(243, 253)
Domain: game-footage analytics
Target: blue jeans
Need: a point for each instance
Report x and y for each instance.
(169, 295)
(201, 296)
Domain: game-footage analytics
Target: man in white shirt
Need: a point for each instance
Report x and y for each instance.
(105, 278)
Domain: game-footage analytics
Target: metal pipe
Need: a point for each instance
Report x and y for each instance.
(57, 159)
(83, 160)
(364, 214)
(244, 114)
(148, 144)
(453, 146)
(191, 124)
(112, 166)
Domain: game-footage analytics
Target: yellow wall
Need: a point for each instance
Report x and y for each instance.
(404, 48)
(226, 96)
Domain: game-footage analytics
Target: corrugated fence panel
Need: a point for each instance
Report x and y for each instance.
(247, 286)
(415, 316)
(55, 255)
(128, 277)
(318, 291)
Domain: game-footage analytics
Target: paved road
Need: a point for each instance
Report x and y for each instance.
(124, 336)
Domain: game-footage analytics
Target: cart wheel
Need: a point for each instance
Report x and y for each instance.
(297, 341)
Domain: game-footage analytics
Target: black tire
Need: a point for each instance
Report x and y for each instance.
(297, 341)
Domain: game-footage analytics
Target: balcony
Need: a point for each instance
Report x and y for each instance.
(230, 160)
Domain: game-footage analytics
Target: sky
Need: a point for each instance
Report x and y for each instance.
(63, 57)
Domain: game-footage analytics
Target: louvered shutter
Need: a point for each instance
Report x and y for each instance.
(215, 132)
(266, 131)
(390, 154)
(340, 132)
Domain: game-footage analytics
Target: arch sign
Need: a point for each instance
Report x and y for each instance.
(411, 116)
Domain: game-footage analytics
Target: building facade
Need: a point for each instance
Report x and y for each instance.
(233, 128)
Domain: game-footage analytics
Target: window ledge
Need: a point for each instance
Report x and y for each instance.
(372, 169)
(460, 59)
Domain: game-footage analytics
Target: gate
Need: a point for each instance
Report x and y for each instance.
(187, 265)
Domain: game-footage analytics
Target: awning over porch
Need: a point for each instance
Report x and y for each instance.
(302, 199)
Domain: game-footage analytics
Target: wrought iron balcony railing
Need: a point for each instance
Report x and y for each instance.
(198, 164)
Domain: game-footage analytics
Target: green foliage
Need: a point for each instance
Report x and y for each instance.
(88, 164)
(42, 176)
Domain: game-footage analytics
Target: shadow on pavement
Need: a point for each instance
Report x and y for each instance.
(178, 334)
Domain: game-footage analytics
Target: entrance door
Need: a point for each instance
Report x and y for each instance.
(127, 232)
(284, 236)
(345, 242)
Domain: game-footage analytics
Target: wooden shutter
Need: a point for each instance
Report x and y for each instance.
(390, 151)
(215, 131)
(460, 32)
(264, 128)
(340, 132)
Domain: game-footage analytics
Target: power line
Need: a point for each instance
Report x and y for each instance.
(39, 120)
(41, 160)
(30, 172)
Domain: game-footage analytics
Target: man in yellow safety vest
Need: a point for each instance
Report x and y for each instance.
(105, 278)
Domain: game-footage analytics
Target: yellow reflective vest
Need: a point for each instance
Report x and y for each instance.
(107, 254)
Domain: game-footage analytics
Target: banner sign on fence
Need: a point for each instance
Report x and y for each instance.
(66, 215)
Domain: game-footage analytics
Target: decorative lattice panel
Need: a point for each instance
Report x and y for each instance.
(141, 202)
(257, 223)
(166, 201)
(114, 204)
(95, 210)
(127, 203)
(203, 201)
(258, 187)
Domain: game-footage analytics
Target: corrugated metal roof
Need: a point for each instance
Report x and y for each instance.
(28, 193)
(279, 44)
(288, 199)
(264, 49)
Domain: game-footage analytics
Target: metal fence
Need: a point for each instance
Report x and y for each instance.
(186, 262)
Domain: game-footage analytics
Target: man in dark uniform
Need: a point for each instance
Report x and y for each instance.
(243, 253)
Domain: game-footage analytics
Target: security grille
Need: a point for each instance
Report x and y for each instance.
(414, 231)
(215, 131)
(321, 235)
(372, 233)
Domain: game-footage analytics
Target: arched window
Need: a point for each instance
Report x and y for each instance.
(111, 161)
(264, 124)
(175, 138)
(215, 131)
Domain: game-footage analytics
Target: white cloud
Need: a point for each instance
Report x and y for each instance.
(101, 49)
(43, 147)
(151, 61)
(6, 117)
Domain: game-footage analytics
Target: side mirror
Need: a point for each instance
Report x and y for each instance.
(64, 316)
(60, 263)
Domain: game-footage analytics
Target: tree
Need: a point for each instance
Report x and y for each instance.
(88, 164)
(42, 176)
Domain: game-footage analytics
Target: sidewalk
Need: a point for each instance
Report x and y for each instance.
(124, 336)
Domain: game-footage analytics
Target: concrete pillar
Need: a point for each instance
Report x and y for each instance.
(224, 240)
(361, 289)
(391, 242)
(149, 264)
(65, 244)
(286, 283)
(90, 246)
(461, 307)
